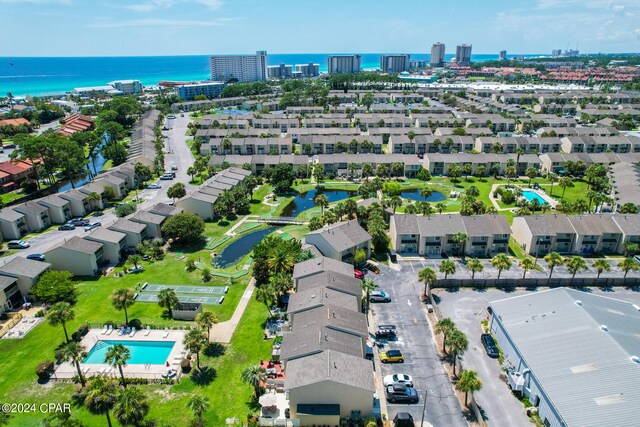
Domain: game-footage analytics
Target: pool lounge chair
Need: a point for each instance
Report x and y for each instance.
(147, 332)
(121, 331)
(133, 332)
(166, 333)
(109, 330)
(104, 331)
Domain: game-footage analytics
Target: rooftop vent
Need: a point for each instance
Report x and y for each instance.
(604, 328)
(635, 359)
(579, 303)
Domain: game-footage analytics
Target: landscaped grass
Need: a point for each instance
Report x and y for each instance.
(11, 196)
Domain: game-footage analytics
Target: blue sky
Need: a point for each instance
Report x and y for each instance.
(193, 27)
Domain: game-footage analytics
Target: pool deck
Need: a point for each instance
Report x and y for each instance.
(67, 370)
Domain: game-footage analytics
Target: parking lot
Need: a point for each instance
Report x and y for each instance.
(467, 308)
(422, 362)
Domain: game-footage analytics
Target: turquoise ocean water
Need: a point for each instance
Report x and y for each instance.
(41, 76)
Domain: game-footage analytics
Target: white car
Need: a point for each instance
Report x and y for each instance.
(398, 379)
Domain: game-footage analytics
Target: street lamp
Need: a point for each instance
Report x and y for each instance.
(424, 407)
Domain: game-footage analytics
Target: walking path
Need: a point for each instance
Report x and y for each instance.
(223, 331)
(494, 202)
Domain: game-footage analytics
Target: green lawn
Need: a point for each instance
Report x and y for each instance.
(11, 196)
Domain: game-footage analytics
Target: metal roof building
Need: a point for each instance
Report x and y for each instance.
(574, 354)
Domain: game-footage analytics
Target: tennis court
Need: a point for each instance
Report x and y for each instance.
(204, 290)
(153, 297)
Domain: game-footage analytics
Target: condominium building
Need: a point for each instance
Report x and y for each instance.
(394, 64)
(281, 71)
(210, 90)
(308, 70)
(244, 68)
(437, 54)
(127, 87)
(503, 55)
(420, 63)
(463, 54)
(344, 64)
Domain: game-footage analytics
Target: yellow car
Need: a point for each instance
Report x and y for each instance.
(392, 356)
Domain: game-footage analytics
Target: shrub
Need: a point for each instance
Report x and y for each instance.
(40, 313)
(82, 331)
(45, 369)
(508, 197)
(498, 192)
(185, 365)
(206, 275)
(125, 209)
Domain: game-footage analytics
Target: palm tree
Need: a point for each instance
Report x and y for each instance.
(101, 396)
(191, 171)
(281, 284)
(264, 294)
(75, 353)
(627, 265)
(441, 207)
(519, 152)
(167, 299)
(206, 320)
(552, 178)
(472, 191)
(321, 201)
(367, 286)
(526, 265)
(134, 259)
(195, 341)
(428, 276)
(511, 173)
(117, 356)
(254, 376)
(575, 264)
(59, 314)
(458, 344)
(601, 265)
(198, 405)
(282, 259)
(553, 259)
(131, 407)
(445, 327)
(94, 197)
(352, 168)
(475, 266)
(426, 193)
(122, 299)
(460, 239)
(468, 383)
(565, 182)
(501, 262)
(447, 267)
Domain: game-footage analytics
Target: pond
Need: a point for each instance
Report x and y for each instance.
(414, 194)
(304, 201)
(93, 166)
(240, 247)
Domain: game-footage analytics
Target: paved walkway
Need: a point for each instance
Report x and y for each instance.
(223, 331)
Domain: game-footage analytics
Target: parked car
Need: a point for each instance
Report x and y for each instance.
(398, 379)
(386, 327)
(92, 226)
(67, 227)
(401, 393)
(371, 266)
(79, 222)
(489, 345)
(358, 274)
(392, 356)
(174, 167)
(379, 296)
(98, 213)
(36, 257)
(137, 269)
(403, 419)
(154, 186)
(166, 177)
(17, 244)
(385, 334)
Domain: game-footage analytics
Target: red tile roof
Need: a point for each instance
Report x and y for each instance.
(14, 167)
(76, 123)
(14, 122)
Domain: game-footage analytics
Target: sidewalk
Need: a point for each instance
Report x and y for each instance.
(223, 331)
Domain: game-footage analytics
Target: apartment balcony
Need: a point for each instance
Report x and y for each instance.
(562, 241)
(610, 240)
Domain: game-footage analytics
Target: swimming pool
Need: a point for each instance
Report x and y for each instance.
(531, 196)
(142, 352)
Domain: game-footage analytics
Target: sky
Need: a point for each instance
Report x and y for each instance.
(202, 27)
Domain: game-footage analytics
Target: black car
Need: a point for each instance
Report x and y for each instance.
(401, 393)
(36, 257)
(386, 334)
(489, 345)
(403, 419)
(67, 227)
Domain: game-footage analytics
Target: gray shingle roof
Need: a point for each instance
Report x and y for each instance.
(317, 338)
(5, 282)
(343, 235)
(319, 264)
(105, 235)
(629, 224)
(24, 267)
(332, 317)
(78, 244)
(336, 281)
(126, 225)
(330, 366)
(549, 225)
(579, 365)
(319, 296)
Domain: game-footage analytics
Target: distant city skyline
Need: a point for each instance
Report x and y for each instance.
(202, 27)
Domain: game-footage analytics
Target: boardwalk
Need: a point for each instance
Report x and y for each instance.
(282, 221)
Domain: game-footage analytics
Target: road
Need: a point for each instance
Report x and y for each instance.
(467, 307)
(177, 152)
(418, 347)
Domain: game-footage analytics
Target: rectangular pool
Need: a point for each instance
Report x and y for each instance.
(142, 352)
(531, 196)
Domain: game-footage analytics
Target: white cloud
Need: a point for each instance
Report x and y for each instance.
(151, 5)
(158, 22)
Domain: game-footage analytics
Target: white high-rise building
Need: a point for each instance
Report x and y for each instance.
(463, 54)
(281, 71)
(308, 70)
(437, 55)
(344, 64)
(244, 68)
(394, 64)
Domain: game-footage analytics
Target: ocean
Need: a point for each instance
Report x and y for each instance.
(46, 76)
